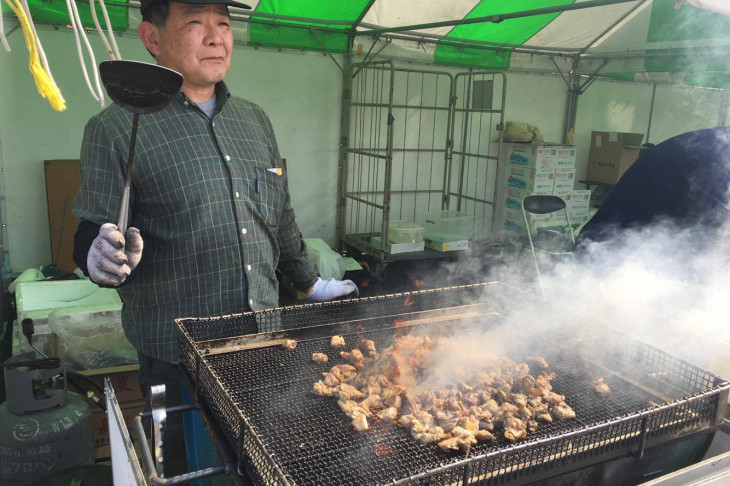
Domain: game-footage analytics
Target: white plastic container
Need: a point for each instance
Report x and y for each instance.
(446, 225)
(405, 232)
(36, 300)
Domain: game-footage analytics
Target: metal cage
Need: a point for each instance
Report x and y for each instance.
(417, 141)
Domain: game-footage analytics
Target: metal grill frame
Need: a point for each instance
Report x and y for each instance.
(522, 461)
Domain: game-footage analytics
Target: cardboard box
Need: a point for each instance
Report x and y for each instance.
(125, 381)
(395, 248)
(538, 181)
(514, 198)
(556, 156)
(538, 156)
(440, 244)
(611, 154)
(100, 425)
(563, 186)
(581, 195)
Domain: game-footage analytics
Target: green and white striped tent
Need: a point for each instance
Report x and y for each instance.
(662, 40)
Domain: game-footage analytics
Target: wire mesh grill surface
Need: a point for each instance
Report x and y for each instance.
(263, 400)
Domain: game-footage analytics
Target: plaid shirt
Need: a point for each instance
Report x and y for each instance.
(212, 209)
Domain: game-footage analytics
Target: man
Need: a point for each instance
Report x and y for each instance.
(210, 214)
(683, 180)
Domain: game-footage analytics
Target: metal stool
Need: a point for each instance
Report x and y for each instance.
(547, 241)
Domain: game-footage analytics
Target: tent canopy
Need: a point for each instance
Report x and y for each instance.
(673, 40)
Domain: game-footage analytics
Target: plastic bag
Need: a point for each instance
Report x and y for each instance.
(326, 262)
(91, 337)
(522, 132)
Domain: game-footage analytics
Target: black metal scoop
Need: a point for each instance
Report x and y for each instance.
(141, 88)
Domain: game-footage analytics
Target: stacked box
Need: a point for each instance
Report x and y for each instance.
(536, 181)
(533, 169)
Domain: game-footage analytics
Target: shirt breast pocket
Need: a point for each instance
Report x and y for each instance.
(269, 194)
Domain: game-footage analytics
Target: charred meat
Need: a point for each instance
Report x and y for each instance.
(601, 388)
(319, 358)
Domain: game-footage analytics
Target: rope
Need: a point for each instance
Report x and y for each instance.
(44, 83)
(80, 33)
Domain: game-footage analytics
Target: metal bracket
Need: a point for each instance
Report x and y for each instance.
(159, 417)
(312, 30)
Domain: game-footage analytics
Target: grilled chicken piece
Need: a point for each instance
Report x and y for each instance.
(470, 399)
(466, 436)
(531, 426)
(360, 422)
(426, 435)
(425, 418)
(319, 358)
(601, 388)
(562, 411)
(367, 347)
(469, 423)
(354, 357)
(554, 398)
(373, 401)
(537, 362)
(393, 401)
(352, 409)
(333, 378)
(485, 436)
(454, 444)
(447, 420)
(346, 371)
(337, 342)
(289, 344)
(491, 406)
(407, 420)
(486, 425)
(545, 417)
(388, 414)
(319, 388)
(514, 429)
(348, 392)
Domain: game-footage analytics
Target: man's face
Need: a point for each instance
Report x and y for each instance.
(197, 42)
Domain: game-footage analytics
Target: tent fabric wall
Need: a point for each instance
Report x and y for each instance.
(302, 94)
(648, 35)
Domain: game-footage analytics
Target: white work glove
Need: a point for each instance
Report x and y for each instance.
(112, 257)
(323, 290)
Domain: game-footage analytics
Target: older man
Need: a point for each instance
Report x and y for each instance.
(209, 200)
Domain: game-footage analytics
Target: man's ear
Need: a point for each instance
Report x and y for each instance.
(150, 36)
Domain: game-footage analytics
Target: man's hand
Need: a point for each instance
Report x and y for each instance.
(324, 290)
(112, 257)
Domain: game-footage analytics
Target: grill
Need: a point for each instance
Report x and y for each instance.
(260, 394)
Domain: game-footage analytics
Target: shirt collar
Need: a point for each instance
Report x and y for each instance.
(221, 93)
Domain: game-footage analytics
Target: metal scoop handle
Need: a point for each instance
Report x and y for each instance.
(124, 209)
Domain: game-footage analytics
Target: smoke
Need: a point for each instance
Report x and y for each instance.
(664, 285)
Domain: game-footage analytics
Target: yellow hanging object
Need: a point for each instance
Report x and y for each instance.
(46, 87)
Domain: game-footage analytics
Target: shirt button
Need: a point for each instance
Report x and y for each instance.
(213, 124)
(186, 103)
(248, 267)
(236, 193)
(228, 158)
(250, 301)
(244, 231)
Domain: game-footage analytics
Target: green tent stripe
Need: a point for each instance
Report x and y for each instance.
(714, 79)
(512, 31)
(685, 64)
(283, 35)
(686, 23)
(619, 76)
(56, 13)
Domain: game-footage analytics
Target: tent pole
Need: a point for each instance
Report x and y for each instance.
(723, 108)
(499, 17)
(345, 107)
(651, 112)
(571, 104)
